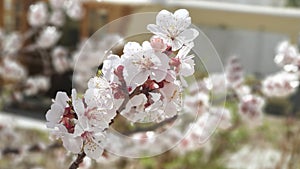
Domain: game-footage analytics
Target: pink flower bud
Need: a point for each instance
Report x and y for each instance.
(158, 44)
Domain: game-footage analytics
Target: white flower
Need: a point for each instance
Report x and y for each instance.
(251, 109)
(109, 66)
(54, 115)
(71, 142)
(287, 56)
(186, 63)
(92, 138)
(173, 28)
(48, 37)
(172, 100)
(12, 43)
(281, 84)
(96, 118)
(234, 72)
(140, 62)
(99, 94)
(38, 14)
(57, 18)
(135, 108)
(60, 60)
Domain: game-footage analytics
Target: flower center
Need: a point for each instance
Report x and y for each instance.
(145, 63)
(87, 136)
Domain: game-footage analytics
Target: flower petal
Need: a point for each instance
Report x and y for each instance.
(72, 144)
(93, 150)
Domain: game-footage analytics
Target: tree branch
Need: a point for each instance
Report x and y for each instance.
(78, 161)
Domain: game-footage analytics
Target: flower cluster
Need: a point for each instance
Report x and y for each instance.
(281, 84)
(144, 85)
(286, 82)
(152, 76)
(81, 121)
(287, 56)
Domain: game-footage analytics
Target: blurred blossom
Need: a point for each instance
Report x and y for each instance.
(216, 83)
(201, 130)
(35, 84)
(222, 116)
(173, 28)
(38, 14)
(8, 134)
(90, 53)
(196, 104)
(199, 86)
(57, 18)
(11, 70)
(60, 59)
(12, 43)
(281, 84)
(250, 157)
(74, 9)
(110, 41)
(287, 56)
(251, 109)
(48, 37)
(56, 4)
(234, 72)
(242, 90)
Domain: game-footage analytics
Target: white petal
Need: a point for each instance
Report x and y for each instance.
(177, 43)
(55, 113)
(132, 48)
(187, 68)
(158, 75)
(93, 150)
(188, 35)
(181, 13)
(157, 30)
(61, 98)
(77, 103)
(139, 78)
(163, 18)
(170, 109)
(72, 144)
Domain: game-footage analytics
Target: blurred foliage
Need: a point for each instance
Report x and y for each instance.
(293, 3)
(278, 106)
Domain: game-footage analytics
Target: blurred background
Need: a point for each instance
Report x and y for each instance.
(41, 41)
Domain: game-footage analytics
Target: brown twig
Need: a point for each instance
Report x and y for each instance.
(78, 161)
